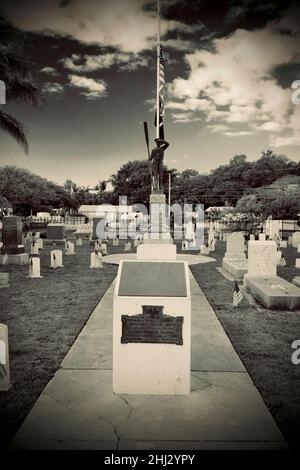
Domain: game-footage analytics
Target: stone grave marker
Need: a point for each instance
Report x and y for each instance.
(4, 359)
(96, 260)
(34, 268)
(34, 248)
(296, 239)
(12, 227)
(70, 249)
(56, 259)
(4, 280)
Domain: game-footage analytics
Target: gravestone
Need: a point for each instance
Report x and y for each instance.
(4, 280)
(262, 237)
(34, 268)
(39, 242)
(283, 244)
(56, 259)
(4, 359)
(151, 328)
(297, 263)
(252, 237)
(296, 239)
(34, 249)
(115, 242)
(184, 245)
(56, 234)
(263, 283)
(12, 241)
(103, 248)
(234, 261)
(96, 260)
(79, 242)
(127, 246)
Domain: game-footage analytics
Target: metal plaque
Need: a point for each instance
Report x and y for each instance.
(152, 326)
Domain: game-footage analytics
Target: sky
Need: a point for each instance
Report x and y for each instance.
(229, 69)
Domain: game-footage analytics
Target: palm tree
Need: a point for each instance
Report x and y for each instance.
(14, 72)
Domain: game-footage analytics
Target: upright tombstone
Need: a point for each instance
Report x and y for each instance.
(96, 260)
(296, 239)
(103, 247)
(97, 228)
(39, 242)
(115, 242)
(234, 261)
(152, 328)
(12, 241)
(252, 237)
(127, 246)
(262, 237)
(79, 242)
(70, 249)
(4, 359)
(56, 259)
(34, 268)
(274, 229)
(262, 280)
(56, 234)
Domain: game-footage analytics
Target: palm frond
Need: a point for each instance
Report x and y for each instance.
(15, 129)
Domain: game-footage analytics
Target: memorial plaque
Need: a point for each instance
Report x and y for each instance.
(152, 326)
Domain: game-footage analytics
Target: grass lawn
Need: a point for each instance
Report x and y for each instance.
(44, 317)
(262, 339)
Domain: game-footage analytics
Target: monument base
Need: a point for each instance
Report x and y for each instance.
(237, 268)
(156, 251)
(19, 260)
(273, 291)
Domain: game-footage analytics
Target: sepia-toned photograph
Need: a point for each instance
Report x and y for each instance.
(150, 228)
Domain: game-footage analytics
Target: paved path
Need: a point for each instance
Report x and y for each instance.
(78, 410)
(190, 259)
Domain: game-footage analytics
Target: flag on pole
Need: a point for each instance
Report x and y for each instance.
(161, 88)
(237, 295)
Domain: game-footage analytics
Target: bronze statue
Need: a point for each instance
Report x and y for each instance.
(156, 163)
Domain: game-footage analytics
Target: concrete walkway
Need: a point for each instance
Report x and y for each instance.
(78, 410)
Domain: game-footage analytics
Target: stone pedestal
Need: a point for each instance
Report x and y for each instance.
(151, 328)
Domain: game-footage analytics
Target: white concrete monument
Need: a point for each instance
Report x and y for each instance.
(4, 359)
(35, 268)
(40, 244)
(152, 328)
(262, 258)
(234, 261)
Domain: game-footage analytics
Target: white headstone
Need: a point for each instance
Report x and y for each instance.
(79, 242)
(274, 229)
(98, 245)
(4, 280)
(184, 245)
(4, 359)
(297, 265)
(34, 248)
(56, 259)
(252, 237)
(204, 250)
(34, 268)
(296, 239)
(96, 260)
(262, 258)
(283, 244)
(262, 237)
(115, 242)
(127, 246)
(70, 249)
(39, 242)
(235, 246)
(103, 248)
(37, 235)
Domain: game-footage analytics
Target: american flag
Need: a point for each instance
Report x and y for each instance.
(237, 295)
(161, 92)
(4, 259)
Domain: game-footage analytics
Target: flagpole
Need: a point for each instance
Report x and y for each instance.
(157, 69)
